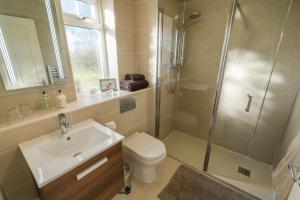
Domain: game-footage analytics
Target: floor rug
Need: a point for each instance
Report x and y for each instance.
(188, 184)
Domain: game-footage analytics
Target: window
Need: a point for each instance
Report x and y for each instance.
(86, 43)
(79, 8)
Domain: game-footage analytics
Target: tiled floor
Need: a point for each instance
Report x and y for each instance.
(143, 191)
(223, 164)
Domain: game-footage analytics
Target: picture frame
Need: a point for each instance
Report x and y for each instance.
(107, 84)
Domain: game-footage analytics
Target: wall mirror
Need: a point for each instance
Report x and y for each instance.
(31, 52)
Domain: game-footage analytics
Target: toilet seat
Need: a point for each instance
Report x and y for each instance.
(144, 147)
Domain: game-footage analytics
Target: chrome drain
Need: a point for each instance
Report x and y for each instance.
(244, 171)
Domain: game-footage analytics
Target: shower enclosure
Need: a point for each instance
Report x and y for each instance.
(215, 63)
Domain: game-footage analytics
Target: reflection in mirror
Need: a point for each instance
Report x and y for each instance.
(30, 46)
(23, 64)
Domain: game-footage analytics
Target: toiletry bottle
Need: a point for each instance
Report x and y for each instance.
(61, 99)
(46, 101)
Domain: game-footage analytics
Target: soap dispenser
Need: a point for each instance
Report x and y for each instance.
(46, 101)
(61, 99)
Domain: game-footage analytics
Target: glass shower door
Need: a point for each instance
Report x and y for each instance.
(170, 16)
(238, 154)
(190, 49)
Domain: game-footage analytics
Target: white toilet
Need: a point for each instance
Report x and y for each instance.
(143, 153)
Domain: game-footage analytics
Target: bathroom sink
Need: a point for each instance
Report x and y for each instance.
(53, 155)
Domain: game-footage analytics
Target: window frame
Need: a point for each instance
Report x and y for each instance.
(96, 24)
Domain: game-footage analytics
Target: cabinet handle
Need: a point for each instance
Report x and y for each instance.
(91, 168)
(247, 109)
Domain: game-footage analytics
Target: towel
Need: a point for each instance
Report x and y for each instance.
(131, 85)
(282, 177)
(135, 77)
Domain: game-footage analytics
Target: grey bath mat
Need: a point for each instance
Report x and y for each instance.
(188, 184)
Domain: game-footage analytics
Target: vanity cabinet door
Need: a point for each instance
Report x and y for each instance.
(101, 177)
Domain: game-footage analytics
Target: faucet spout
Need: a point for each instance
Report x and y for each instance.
(64, 124)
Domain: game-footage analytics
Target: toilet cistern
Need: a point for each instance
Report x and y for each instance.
(64, 124)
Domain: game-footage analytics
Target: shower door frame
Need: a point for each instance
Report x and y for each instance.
(234, 5)
(160, 29)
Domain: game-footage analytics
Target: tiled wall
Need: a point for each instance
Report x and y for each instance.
(126, 38)
(145, 20)
(136, 33)
(203, 46)
(15, 177)
(172, 10)
(136, 37)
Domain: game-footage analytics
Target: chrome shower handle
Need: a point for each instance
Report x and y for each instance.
(247, 109)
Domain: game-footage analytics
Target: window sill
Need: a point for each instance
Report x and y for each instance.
(80, 103)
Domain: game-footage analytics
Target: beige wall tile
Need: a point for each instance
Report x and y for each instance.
(144, 41)
(94, 111)
(136, 25)
(201, 64)
(145, 14)
(140, 113)
(116, 116)
(14, 136)
(146, 64)
(138, 127)
(126, 41)
(127, 64)
(151, 126)
(124, 12)
(166, 126)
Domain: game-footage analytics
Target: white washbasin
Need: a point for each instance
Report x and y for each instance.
(53, 155)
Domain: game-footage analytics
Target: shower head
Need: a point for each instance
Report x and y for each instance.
(193, 18)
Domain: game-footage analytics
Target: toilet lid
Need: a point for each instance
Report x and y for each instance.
(145, 146)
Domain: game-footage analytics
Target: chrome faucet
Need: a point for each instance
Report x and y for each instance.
(64, 124)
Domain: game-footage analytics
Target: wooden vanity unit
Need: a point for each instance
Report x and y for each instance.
(100, 177)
